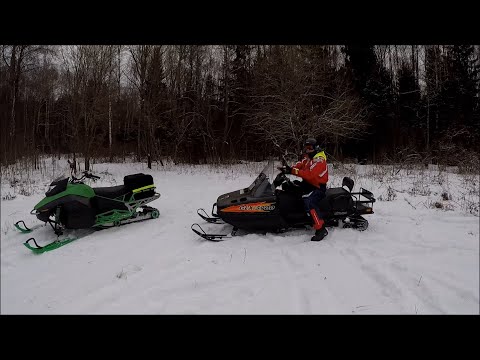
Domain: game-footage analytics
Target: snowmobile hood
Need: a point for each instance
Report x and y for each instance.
(72, 189)
(260, 190)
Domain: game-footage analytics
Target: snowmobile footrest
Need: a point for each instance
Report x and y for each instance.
(210, 237)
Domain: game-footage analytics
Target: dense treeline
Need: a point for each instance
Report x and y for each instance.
(197, 103)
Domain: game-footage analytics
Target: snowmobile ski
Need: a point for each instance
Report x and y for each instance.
(212, 237)
(24, 229)
(51, 246)
(38, 249)
(213, 220)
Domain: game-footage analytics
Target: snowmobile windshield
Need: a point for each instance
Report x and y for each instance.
(59, 178)
(58, 185)
(262, 186)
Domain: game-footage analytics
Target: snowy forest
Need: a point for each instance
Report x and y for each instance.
(216, 103)
(151, 137)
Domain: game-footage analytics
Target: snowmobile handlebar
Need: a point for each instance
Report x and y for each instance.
(281, 178)
(91, 176)
(86, 174)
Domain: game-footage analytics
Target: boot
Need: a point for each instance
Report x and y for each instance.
(319, 226)
(320, 234)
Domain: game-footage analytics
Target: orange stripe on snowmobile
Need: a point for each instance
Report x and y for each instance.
(252, 207)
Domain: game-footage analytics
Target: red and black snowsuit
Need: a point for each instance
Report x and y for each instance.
(315, 172)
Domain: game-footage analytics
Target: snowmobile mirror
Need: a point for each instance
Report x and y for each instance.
(348, 183)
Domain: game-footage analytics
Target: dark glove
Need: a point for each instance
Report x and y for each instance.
(285, 169)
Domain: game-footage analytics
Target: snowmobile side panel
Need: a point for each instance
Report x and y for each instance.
(103, 204)
(254, 216)
(292, 208)
(43, 213)
(77, 215)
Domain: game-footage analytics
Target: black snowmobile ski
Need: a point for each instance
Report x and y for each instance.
(213, 237)
(213, 220)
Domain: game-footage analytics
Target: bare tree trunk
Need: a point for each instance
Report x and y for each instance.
(46, 120)
(226, 101)
(87, 162)
(138, 130)
(13, 67)
(25, 116)
(12, 115)
(110, 126)
(119, 48)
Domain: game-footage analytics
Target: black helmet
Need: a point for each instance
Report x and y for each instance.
(310, 146)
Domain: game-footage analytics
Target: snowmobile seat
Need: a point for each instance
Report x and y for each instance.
(111, 192)
(336, 199)
(334, 192)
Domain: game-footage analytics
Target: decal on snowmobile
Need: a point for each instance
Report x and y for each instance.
(252, 207)
(148, 187)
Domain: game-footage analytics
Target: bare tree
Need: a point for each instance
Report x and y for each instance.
(88, 70)
(18, 60)
(291, 104)
(147, 78)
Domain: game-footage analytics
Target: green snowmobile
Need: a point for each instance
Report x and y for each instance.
(71, 204)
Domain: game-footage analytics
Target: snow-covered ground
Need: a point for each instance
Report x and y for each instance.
(420, 254)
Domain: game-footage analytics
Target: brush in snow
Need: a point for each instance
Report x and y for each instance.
(278, 206)
(70, 204)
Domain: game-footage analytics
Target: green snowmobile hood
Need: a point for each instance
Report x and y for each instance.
(72, 189)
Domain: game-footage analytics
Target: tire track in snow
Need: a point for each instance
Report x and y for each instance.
(232, 290)
(302, 302)
(421, 293)
(386, 286)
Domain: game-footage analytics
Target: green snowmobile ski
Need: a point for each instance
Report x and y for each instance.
(71, 204)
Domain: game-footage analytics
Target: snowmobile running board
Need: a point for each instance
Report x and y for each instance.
(213, 220)
(211, 237)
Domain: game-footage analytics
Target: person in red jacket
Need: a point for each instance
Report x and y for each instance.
(313, 170)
